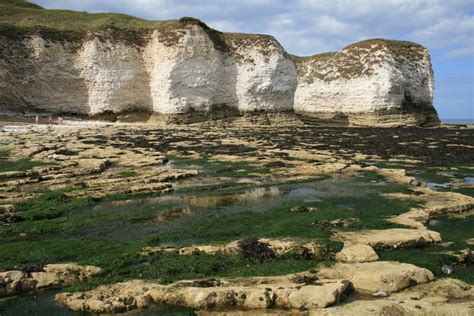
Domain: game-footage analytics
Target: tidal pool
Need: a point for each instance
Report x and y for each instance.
(151, 215)
(43, 304)
(469, 180)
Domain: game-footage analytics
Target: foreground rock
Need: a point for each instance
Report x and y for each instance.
(381, 276)
(292, 292)
(357, 253)
(390, 238)
(52, 275)
(441, 297)
(425, 299)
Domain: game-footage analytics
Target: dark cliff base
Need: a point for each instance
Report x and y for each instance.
(226, 116)
(426, 118)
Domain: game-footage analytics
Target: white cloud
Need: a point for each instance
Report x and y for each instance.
(312, 26)
(448, 31)
(223, 25)
(460, 52)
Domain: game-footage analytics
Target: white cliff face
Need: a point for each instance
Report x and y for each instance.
(199, 73)
(265, 75)
(365, 78)
(115, 77)
(38, 75)
(185, 75)
(188, 67)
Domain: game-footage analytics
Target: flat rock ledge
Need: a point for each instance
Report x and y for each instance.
(390, 238)
(380, 276)
(441, 297)
(280, 246)
(15, 282)
(289, 292)
(435, 204)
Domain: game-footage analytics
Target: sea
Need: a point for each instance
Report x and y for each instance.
(458, 121)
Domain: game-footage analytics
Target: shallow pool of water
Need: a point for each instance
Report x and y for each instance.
(469, 180)
(43, 304)
(436, 186)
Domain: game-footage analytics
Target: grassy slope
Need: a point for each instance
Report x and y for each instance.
(19, 19)
(19, 13)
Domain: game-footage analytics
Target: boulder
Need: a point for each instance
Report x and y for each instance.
(7, 214)
(441, 297)
(372, 277)
(64, 273)
(357, 253)
(16, 282)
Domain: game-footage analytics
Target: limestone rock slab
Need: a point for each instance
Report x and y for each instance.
(372, 277)
(357, 253)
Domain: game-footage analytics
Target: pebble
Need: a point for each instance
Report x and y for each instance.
(380, 294)
(447, 269)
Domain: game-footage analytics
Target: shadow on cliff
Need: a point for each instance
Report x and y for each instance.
(30, 87)
(337, 119)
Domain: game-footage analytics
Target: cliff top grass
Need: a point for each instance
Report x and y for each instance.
(399, 46)
(352, 61)
(19, 19)
(25, 14)
(382, 41)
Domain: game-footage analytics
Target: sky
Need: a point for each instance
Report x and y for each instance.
(307, 27)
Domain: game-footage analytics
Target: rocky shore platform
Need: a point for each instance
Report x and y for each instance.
(233, 218)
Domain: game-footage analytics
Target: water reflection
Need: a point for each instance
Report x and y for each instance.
(469, 180)
(435, 186)
(248, 196)
(169, 208)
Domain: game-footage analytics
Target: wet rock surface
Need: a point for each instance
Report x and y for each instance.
(255, 293)
(16, 282)
(425, 299)
(378, 276)
(357, 253)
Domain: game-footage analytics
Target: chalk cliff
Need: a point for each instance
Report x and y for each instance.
(373, 81)
(182, 67)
